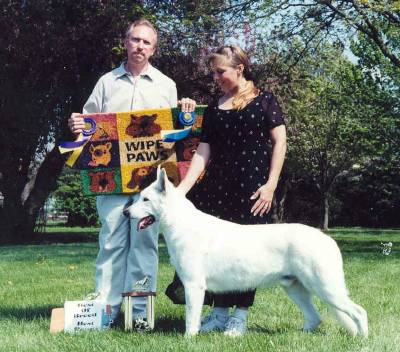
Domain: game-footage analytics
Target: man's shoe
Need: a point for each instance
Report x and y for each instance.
(141, 325)
(213, 322)
(235, 327)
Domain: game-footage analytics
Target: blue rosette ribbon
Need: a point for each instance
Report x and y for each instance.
(187, 118)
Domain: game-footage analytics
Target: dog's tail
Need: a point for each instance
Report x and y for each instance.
(345, 321)
(331, 288)
(353, 318)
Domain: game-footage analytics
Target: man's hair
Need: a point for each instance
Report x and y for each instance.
(141, 22)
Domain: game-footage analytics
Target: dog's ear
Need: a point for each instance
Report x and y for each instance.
(161, 176)
(163, 184)
(158, 171)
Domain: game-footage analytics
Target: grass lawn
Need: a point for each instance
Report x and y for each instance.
(36, 278)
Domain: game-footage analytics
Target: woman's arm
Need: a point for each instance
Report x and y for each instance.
(266, 192)
(197, 166)
(278, 139)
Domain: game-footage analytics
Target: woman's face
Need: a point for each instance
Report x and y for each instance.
(226, 76)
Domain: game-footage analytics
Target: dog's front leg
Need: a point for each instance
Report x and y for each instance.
(194, 295)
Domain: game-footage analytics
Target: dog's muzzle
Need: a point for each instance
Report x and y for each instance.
(125, 211)
(145, 222)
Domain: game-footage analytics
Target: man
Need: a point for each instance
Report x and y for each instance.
(126, 257)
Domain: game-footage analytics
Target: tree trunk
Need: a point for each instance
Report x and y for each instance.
(17, 218)
(324, 211)
(279, 201)
(282, 201)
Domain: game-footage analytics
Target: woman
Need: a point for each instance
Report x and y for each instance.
(241, 177)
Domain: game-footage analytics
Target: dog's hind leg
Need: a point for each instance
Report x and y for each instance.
(303, 298)
(194, 296)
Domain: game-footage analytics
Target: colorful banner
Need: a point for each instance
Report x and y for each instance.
(120, 152)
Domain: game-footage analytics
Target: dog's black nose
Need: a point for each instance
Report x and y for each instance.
(126, 208)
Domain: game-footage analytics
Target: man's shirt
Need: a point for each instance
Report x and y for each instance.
(119, 91)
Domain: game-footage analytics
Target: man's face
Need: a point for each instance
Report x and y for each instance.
(140, 44)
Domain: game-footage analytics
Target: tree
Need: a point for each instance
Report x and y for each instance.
(53, 52)
(69, 199)
(370, 193)
(318, 20)
(337, 120)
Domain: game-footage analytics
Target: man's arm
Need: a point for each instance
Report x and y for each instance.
(173, 97)
(94, 104)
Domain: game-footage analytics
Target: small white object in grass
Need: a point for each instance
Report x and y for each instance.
(387, 248)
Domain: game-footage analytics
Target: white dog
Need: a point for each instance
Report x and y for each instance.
(220, 256)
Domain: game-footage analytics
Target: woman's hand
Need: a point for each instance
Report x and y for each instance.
(264, 202)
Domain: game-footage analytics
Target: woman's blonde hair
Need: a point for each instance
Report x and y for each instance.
(236, 56)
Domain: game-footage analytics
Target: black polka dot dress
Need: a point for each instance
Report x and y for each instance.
(239, 158)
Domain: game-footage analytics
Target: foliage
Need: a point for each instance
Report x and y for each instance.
(339, 118)
(318, 21)
(370, 195)
(69, 199)
(53, 52)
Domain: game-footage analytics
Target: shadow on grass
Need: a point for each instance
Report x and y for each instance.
(26, 313)
(265, 330)
(65, 237)
(170, 325)
(284, 329)
(356, 231)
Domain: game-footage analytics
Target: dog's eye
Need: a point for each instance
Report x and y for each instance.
(145, 199)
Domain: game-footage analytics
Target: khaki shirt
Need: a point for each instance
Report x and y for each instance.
(119, 91)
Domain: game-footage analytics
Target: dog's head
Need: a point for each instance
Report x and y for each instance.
(149, 207)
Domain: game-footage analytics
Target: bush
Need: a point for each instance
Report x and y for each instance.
(69, 198)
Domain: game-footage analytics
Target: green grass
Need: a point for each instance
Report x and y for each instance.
(36, 278)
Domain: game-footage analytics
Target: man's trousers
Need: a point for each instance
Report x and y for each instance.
(126, 255)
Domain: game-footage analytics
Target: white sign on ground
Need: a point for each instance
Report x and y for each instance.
(84, 315)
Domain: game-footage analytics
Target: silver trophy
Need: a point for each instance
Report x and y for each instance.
(142, 285)
(140, 288)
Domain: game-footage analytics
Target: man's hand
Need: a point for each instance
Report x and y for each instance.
(187, 104)
(76, 123)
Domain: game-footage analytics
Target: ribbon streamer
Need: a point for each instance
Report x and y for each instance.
(186, 119)
(175, 135)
